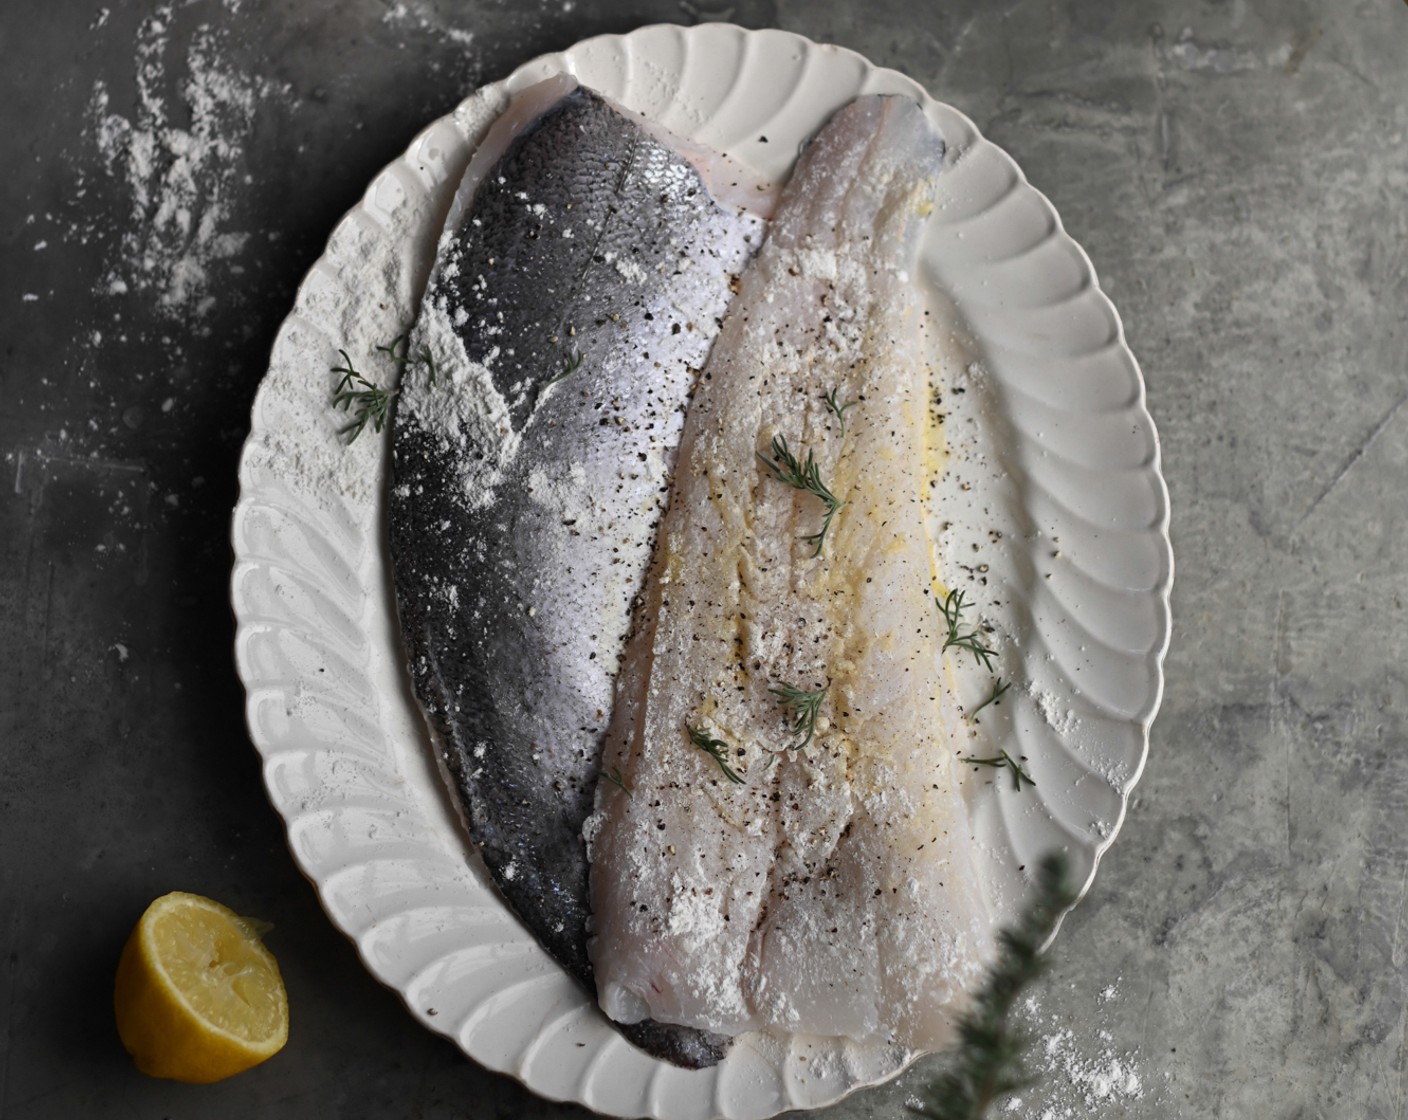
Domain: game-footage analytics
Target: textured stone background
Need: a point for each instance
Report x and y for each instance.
(1237, 170)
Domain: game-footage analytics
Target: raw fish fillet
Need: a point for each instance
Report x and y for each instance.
(577, 290)
(831, 891)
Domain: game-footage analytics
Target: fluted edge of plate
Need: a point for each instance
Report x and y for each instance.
(366, 821)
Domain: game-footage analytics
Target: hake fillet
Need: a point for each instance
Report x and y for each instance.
(832, 891)
(580, 282)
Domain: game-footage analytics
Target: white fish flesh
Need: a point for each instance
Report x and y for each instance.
(831, 890)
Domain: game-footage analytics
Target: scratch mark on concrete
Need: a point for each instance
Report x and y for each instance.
(98, 465)
(1402, 1044)
(1144, 1025)
(1301, 47)
(48, 622)
(1398, 922)
(1163, 112)
(12, 967)
(1192, 56)
(1275, 726)
(1008, 82)
(1354, 457)
(1396, 961)
(1354, 71)
(958, 41)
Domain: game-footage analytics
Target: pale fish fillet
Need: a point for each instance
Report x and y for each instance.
(579, 284)
(833, 891)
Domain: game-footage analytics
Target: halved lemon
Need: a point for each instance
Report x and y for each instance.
(198, 997)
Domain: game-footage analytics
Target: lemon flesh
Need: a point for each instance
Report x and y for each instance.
(198, 997)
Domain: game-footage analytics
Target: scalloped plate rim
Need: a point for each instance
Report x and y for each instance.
(564, 60)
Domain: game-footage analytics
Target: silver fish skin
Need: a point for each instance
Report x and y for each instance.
(573, 300)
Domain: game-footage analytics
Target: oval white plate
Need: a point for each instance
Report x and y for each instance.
(1055, 521)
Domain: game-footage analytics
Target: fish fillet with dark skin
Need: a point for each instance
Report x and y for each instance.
(577, 290)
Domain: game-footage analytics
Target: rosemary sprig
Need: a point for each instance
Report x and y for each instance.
(715, 749)
(616, 778)
(988, 1062)
(952, 609)
(838, 409)
(806, 476)
(1004, 759)
(367, 402)
(803, 706)
(997, 690)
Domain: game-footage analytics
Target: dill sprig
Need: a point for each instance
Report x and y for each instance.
(997, 690)
(367, 402)
(1003, 759)
(715, 749)
(399, 349)
(952, 609)
(569, 368)
(838, 409)
(616, 778)
(988, 1062)
(401, 342)
(806, 476)
(803, 707)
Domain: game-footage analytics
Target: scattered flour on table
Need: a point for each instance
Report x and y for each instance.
(1080, 1070)
(425, 17)
(173, 135)
(182, 165)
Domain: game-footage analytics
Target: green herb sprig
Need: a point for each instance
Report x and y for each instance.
(952, 609)
(1002, 760)
(715, 749)
(803, 706)
(988, 1063)
(367, 402)
(568, 369)
(616, 778)
(996, 694)
(838, 409)
(806, 476)
(397, 348)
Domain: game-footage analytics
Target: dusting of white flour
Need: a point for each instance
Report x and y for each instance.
(1078, 1071)
(1081, 1071)
(425, 17)
(182, 165)
(469, 410)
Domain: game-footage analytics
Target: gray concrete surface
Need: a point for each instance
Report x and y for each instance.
(1237, 170)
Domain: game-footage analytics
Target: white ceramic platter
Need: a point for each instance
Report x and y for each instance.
(1056, 518)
